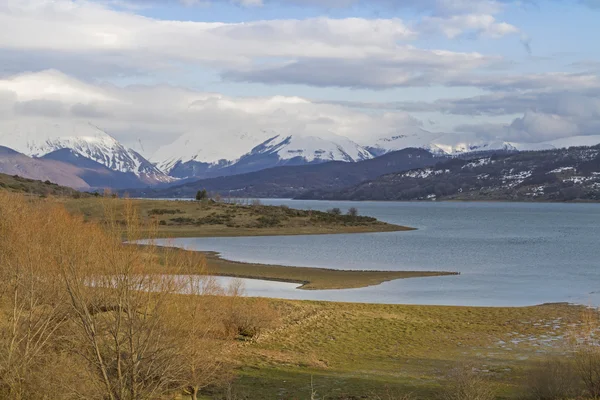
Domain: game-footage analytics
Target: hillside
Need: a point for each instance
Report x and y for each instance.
(69, 142)
(18, 184)
(553, 175)
(14, 163)
(220, 219)
(290, 181)
(67, 168)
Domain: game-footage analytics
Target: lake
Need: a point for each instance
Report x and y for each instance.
(508, 254)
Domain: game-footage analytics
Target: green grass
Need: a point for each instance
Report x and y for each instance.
(368, 349)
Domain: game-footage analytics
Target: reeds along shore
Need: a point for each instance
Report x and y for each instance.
(130, 334)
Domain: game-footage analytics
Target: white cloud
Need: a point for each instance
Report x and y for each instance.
(440, 7)
(457, 25)
(89, 28)
(90, 40)
(534, 127)
(159, 114)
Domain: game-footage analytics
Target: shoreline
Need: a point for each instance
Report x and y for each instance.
(319, 281)
(178, 233)
(308, 278)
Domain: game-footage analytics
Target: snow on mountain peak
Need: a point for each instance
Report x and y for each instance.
(460, 143)
(228, 148)
(210, 149)
(313, 148)
(38, 138)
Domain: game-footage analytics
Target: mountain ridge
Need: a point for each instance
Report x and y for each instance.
(289, 181)
(37, 139)
(571, 174)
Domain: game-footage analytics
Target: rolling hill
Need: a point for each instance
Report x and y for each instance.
(17, 184)
(552, 175)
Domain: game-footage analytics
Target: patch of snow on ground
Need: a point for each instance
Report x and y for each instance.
(579, 179)
(477, 163)
(561, 169)
(419, 173)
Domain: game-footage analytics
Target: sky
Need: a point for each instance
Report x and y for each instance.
(148, 71)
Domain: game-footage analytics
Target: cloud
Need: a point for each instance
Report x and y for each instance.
(414, 68)
(440, 7)
(458, 25)
(534, 127)
(408, 67)
(42, 107)
(583, 103)
(160, 113)
(89, 29)
(155, 115)
(89, 40)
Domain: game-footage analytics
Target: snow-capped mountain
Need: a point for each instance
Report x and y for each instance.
(311, 149)
(418, 138)
(456, 144)
(208, 149)
(37, 139)
(201, 155)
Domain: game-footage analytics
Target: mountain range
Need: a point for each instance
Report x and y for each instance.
(291, 181)
(83, 156)
(571, 174)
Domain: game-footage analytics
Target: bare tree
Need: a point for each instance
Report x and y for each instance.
(203, 344)
(122, 313)
(587, 351)
(72, 294)
(33, 309)
(465, 382)
(553, 379)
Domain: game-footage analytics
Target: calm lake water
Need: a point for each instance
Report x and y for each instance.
(508, 254)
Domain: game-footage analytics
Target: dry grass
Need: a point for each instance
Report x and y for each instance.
(210, 219)
(467, 382)
(553, 379)
(17, 184)
(80, 314)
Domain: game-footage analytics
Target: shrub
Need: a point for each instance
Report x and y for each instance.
(353, 211)
(249, 319)
(163, 211)
(334, 211)
(553, 380)
(201, 195)
(183, 220)
(467, 383)
(215, 219)
(267, 221)
(587, 352)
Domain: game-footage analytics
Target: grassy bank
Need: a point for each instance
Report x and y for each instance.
(216, 219)
(367, 351)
